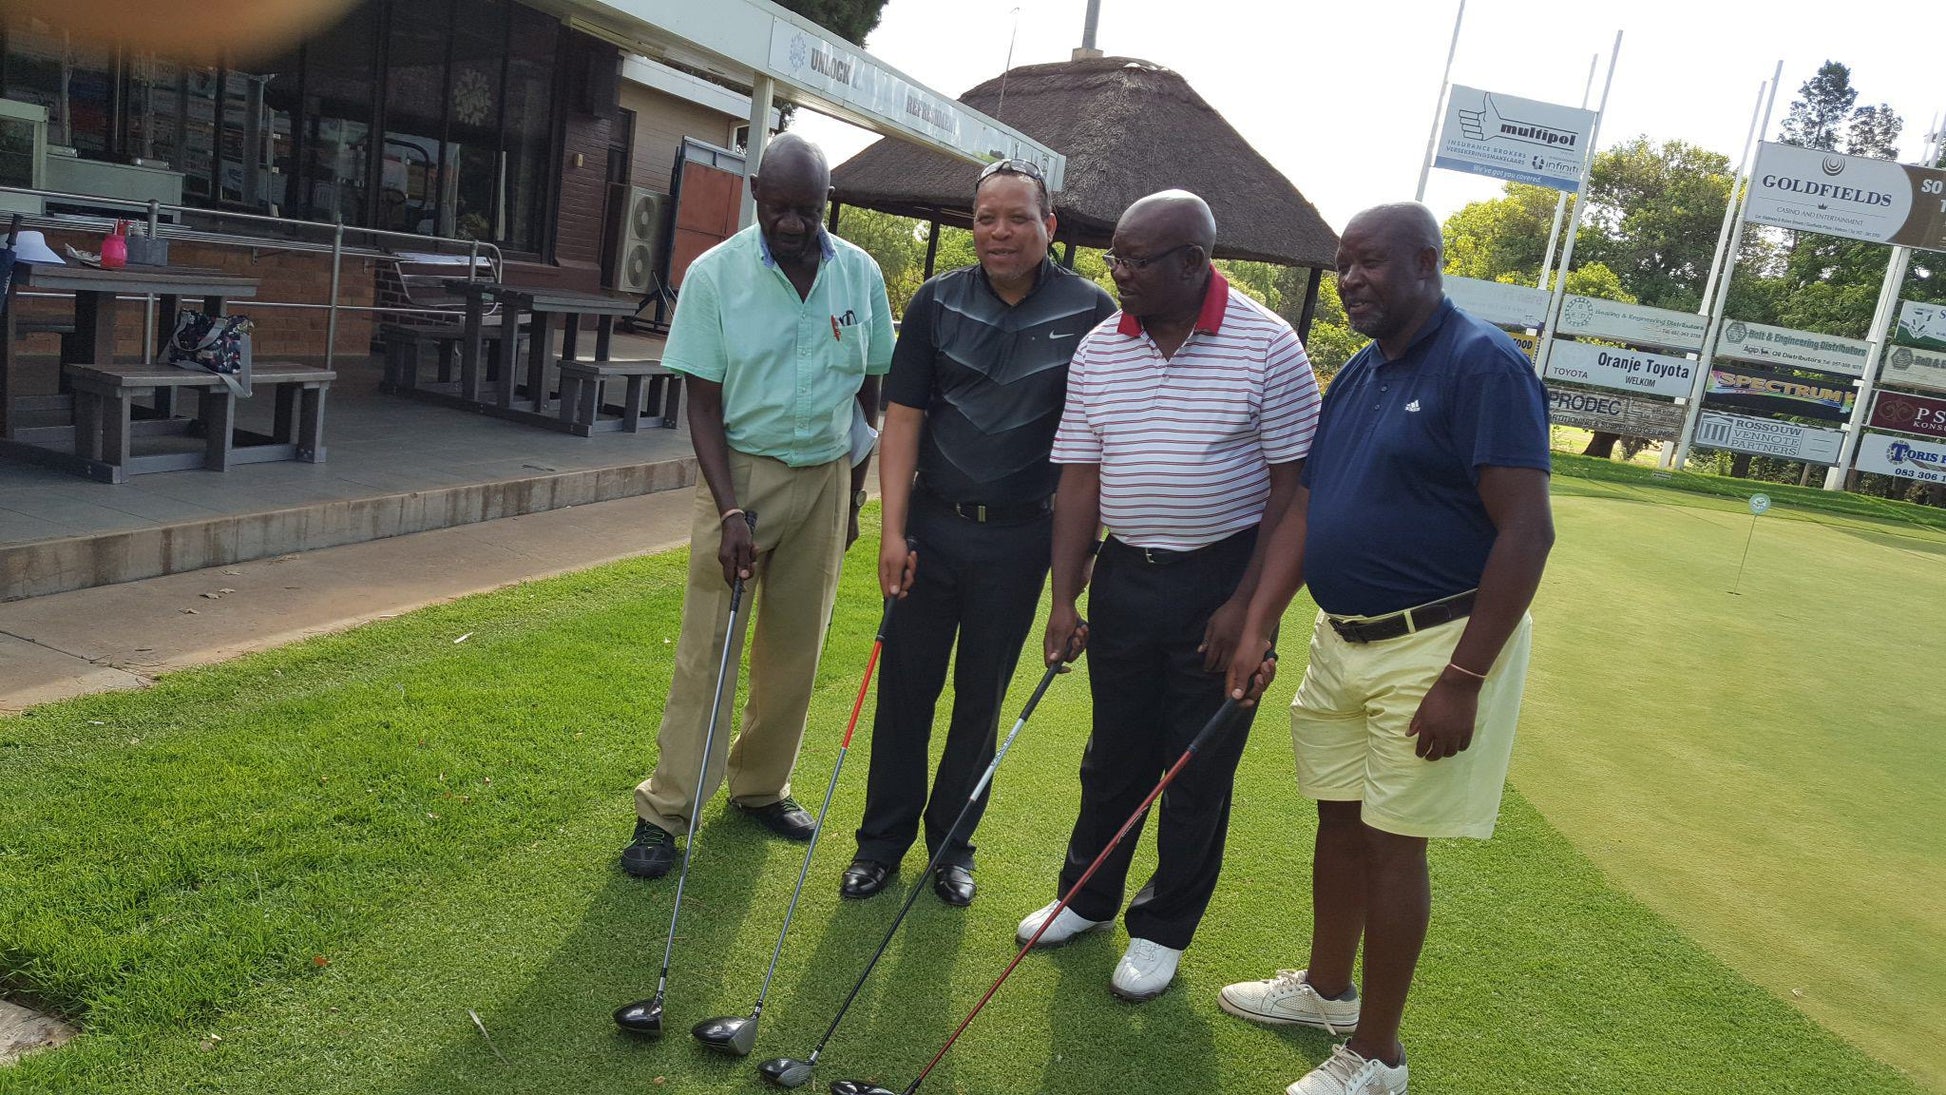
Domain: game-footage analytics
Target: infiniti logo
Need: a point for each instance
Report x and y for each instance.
(1834, 165)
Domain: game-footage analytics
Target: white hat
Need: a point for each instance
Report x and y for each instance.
(30, 246)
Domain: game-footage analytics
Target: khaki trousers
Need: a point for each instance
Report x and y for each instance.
(802, 514)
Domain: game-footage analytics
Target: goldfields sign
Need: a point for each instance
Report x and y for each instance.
(1765, 392)
(1768, 437)
(1625, 370)
(1497, 302)
(1910, 413)
(1902, 456)
(1742, 341)
(1922, 324)
(1631, 416)
(1876, 201)
(1521, 140)
(1632, 323)
(1906, 367)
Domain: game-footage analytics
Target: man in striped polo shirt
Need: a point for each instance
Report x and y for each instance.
(1187, 421)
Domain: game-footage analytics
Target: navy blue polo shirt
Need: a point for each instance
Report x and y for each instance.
(1395, 518)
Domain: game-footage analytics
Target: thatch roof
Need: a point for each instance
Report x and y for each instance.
(1128, 128)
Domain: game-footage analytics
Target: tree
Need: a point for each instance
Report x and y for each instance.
(1504, 239)
(1817, 116)
(895, 243)
(1654, 212)
(852, 19)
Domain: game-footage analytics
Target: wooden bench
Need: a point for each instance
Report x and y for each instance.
(582, 404)
(104, 425)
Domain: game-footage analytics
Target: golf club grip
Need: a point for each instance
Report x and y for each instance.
(736, 587)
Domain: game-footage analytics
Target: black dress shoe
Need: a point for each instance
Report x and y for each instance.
(783, 817)
(954, 885)
(863, 878)
(652, 851)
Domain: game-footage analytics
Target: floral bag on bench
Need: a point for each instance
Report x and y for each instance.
(214, 344)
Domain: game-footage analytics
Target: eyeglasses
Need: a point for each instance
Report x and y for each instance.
(1117, 262)
(1011, 167)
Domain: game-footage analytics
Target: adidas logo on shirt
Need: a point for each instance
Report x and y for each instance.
(1412, 407)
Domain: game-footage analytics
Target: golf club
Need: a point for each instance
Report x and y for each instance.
(796, 1072)
(645, 1016)
(735, 1033)
(1217, 721)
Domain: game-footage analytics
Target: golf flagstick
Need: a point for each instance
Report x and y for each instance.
(792, 1072)
(646, 1018)
(737, 1034)
(1217, 722)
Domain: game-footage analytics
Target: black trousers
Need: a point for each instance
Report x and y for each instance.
(980, 583)
(1151, 696)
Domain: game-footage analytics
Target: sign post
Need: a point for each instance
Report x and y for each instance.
(1759, 505)
(1574, 222)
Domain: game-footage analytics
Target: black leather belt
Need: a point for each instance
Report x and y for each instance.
(1405, 622)
(1162, 557)
(981, 513)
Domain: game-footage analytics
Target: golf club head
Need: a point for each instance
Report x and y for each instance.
(642, 1017)
(859, 1087)
(786, 1071)
(728, 1033)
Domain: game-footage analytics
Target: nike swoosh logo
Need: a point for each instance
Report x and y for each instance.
(1051, 338)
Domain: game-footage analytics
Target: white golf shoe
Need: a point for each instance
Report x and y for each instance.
(1289, 1000)
(1346, 1073)
(1144, 971)
(1065, 927)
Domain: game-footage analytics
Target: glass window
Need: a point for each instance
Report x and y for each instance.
(74, 81)
(473, 126)
(339, 76)
(411, 192)
(530, 125)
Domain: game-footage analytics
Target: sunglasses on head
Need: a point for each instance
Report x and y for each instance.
(1011, 166)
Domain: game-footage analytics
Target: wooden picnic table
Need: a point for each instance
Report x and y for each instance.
(545, 306)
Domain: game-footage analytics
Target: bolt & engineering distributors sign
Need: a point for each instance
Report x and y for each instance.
(1906, 367)
(1505, 137)
(1906, 457)
(1742, 341)
(1625, 415)
(1625, 370)
(1859, 198)
(1765, 437)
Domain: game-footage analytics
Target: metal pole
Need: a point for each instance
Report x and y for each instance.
(1088, 28)
(1694, 412)
(1561, 203)
(1574, 222)
(148, 302)
(1312, 289)
(1439, 105)
(337, 269)
(932, 247)
(473, 262)
(762, 90)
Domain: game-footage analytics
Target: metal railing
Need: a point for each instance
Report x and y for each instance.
(290, 236)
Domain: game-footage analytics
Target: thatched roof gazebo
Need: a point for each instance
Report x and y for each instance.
(1128, 128)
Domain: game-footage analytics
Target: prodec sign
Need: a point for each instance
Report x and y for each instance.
(1603, 413)
(1625, 370)
(1876, 201)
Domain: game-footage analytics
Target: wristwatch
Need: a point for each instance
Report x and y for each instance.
(858, 499)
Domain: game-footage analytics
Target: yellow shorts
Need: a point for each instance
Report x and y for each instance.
(1349, 724)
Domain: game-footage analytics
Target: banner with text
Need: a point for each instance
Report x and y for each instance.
(1627, 370)
(1763, 392)
(1630, 416)
(1767, 437)
(1901, 456)
(1521, 140)
(1922, 324)
(1742, 341)
(1906, 367)
(1497, 302)
(1633, 323)
(1859, 198)
(1911, 413)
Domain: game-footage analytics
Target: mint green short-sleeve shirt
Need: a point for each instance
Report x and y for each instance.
(790, 367)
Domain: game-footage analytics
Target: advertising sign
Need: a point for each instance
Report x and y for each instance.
(1922, 324)
(1522, 140)
(1629, 416)
(1767, 437)
(1902, 456)
(1766, 392)
(1859, 198)
(1627, 370)
(1633, 323)
(1906, 367)
(1497, 302)
(1911, 413)
(1742, 341)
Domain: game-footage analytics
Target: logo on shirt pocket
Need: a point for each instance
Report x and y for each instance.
(1412, 407)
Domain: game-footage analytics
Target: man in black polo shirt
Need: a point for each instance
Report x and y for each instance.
(976, 390)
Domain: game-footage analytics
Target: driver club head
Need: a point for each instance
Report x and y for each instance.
(735, 1034)
(786, 1071)
(643, 1017)
(860, 1087)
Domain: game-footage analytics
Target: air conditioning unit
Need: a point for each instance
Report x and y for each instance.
(638, 239)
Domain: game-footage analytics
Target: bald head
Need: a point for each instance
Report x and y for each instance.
(790, 189)
(1410, 224)
(1162, 248)
(789, 158)
(1388, 272)
(1171, 218)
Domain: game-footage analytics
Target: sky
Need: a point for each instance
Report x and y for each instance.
(1340, 97)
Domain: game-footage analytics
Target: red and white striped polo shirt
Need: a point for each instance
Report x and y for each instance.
(1185, 443)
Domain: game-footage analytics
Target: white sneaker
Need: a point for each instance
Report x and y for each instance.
(1065, 927)
(1289, 1000)
(1346, 1073)
(1144, 971)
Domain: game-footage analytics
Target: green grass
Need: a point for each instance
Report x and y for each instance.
(325, 855)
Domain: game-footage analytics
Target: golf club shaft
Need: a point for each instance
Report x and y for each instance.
(912, 895)
(864, 686)
(1217, 721)
(702, 772)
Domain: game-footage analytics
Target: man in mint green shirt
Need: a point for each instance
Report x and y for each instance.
(782, 330)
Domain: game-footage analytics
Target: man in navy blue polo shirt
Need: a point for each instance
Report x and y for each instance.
(1422, 527)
